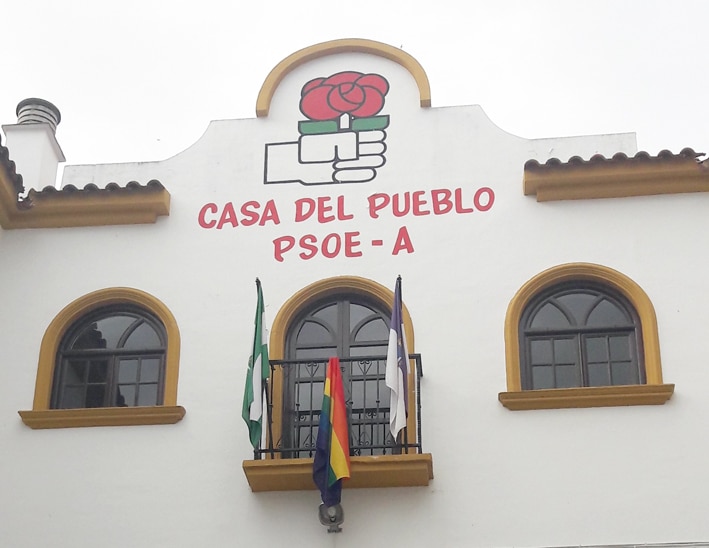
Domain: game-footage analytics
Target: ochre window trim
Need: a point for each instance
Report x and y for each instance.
(42, 416)
(300, 57)
(654, 392)
(278, 474)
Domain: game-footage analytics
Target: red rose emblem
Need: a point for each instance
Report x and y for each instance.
(359, 95)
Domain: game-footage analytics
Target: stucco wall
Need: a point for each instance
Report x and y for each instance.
(502, 478)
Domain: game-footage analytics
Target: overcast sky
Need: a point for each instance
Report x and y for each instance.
(140, 80)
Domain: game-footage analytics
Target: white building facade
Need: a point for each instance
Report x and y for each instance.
(552, 293)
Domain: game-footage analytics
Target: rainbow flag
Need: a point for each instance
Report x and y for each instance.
(332, 448)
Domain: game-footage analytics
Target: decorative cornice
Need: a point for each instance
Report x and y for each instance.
(90, 206)
(616, 177)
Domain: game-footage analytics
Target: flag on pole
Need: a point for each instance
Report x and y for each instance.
(397, 367)
(332, 448)
(256, 375)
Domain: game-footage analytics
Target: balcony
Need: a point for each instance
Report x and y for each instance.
(294, 398)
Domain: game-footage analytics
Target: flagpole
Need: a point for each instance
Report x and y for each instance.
(405, 433)
(258, 373)
(264, 393)
(257, 452)
(269, 411)
(397, 367)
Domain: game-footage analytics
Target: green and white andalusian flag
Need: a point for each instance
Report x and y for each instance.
(256, 375)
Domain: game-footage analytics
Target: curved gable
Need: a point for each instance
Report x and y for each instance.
(274, 78)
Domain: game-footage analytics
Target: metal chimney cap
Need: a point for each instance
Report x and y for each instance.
(37, 111)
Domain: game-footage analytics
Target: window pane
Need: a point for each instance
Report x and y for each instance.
(147, 394)
(318, 388)
(367, 394)
(607, 314)
(315, 353)
(620, 348)
(374, 330)
(150, 370)
(542, 377)
(95, 395)
(578, 304)
(90, 337)
(73, 397)
(624, 373)
(310, 370)
(98, 372)
(565, 351)
(109, 330)
(541, 351)
(328, 315)
(365, 367)
(314, 333)
(567, 376)
(359, 351)
(306, 440)
(358, 313)
(125, 397)
(75, 371)
(598, 374)
(128, 371)
(144, 336)
(596, 349)
(549, 316)
(309, 395)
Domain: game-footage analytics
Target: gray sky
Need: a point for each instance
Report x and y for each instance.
(140, 80)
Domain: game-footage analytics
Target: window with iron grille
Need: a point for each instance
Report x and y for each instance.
(357, 331)
(578, 335)
(112, 357)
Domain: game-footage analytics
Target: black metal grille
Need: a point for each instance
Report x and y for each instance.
(367, 400)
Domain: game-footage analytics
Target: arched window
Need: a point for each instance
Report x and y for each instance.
(582, 335)
(108, 358)
(355, 329)
(113, 357)
(349, 316)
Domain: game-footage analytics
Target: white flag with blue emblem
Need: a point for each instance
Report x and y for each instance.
(397, 367)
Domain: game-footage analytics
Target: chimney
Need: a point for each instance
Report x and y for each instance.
(32, 143)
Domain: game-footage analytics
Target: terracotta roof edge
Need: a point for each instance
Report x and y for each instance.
(598, 159)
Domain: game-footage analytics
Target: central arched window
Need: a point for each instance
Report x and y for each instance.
(356, 330)
(347, 316)
(113, 357)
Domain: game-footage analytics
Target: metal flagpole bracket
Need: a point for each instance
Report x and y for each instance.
(332, 517)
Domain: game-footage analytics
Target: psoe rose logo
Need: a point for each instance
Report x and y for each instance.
(342, 138)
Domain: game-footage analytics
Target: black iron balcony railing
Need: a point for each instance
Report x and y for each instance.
(367, 399)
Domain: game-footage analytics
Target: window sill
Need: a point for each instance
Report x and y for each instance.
(601, 396)
(102, 416)
(374, 471)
